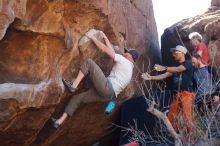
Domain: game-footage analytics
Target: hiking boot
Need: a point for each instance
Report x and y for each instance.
(54, 123)
(69, 86)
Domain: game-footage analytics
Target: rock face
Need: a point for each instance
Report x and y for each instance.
(215, 3)
(207, 24)
(9, 11)
(40, 44)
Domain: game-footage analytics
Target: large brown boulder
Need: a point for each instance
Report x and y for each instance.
(9, 11)
(40, 44)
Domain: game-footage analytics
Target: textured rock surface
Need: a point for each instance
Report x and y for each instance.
(215, 3)
(9, 10)
(41, 45)
(208, 24)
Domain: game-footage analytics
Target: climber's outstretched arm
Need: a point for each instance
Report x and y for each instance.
(109, 51)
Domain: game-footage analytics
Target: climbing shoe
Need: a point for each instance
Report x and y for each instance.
(69, 86)
(110, 106)
(54, 123)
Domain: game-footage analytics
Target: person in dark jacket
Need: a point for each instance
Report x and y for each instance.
(182, 75)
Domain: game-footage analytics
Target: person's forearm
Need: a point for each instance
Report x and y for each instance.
(109, 45)
(159, 77)
(103, 47)
(173, 69)
(99, 44)
(179, 68)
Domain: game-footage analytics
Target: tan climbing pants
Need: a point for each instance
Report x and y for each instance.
(101, 90)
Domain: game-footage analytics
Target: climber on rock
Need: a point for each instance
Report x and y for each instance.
(104, 88)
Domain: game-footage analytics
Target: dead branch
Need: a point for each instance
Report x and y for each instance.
(166, 121)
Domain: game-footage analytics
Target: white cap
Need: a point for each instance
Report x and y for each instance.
(195, 34)
(179, 48)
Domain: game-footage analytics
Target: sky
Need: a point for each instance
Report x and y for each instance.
(168, 12)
